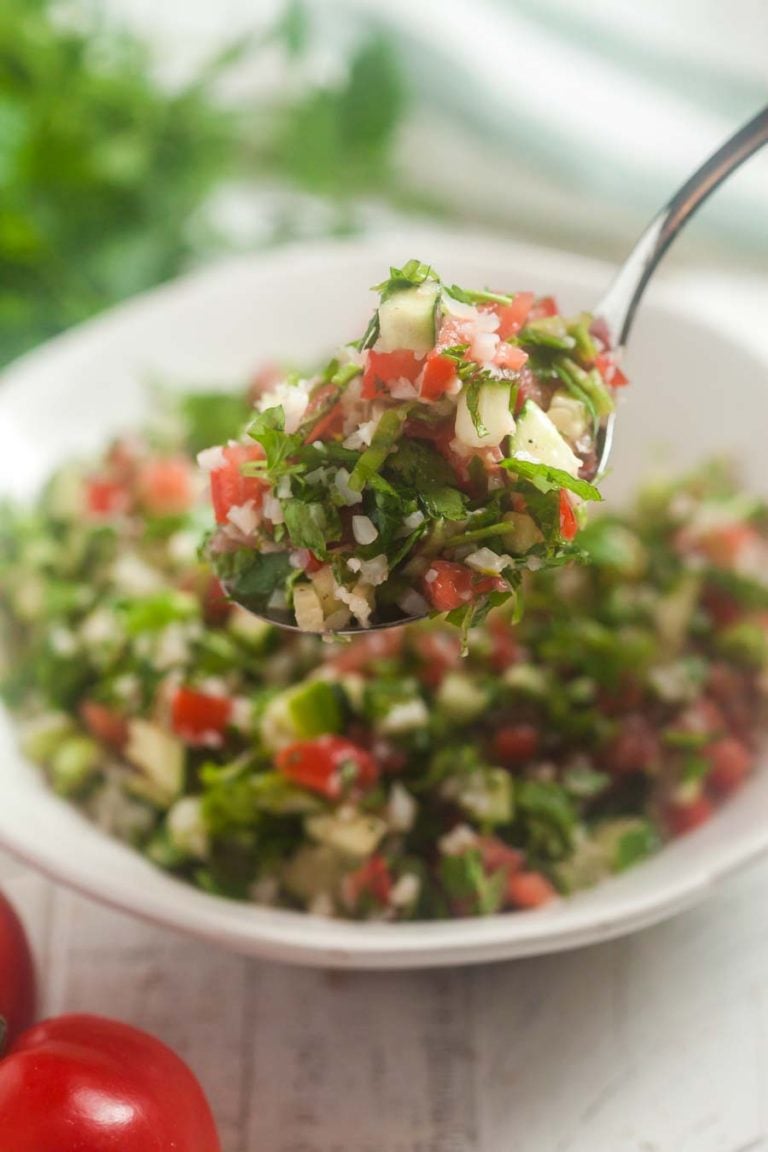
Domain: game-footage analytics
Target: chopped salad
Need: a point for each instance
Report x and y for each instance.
(387, 778)
(424, 470)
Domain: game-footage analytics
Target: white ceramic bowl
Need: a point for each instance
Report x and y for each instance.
(695, 390)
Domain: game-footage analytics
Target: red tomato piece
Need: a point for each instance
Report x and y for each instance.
(511, 357)
(515, 744)
(229, 488)
(216, 604)
(198, 717)
(17, 979)
(569, 525)
(320, 764)
(610, 371)
(439, 652)
(731, 762)
(104, 723)
(166, 486)
(512, 317)
(498, 856)
(724, 545)
(635, 748)
(542, 307)
(722, 606)
(83, 1082)
(105, 497)
(448, 585)
(328, 426)
(439, 371)
(682, 818)
(364, 652)
(372, 879)
(504, 646)
(529, 890)
(384, 367)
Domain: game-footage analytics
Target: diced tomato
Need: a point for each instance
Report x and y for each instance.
(104, 497)
(513, 316)
(372, 879)
(439, 652)
(634, 748)
(569, 525)
(610, 371)
(384, 367)
(198, 717)
(731, 762)
(498, 856)
(703, 717)
(682, 818)
(166, 486)
(216, 604)
(529, 890)
(364, 652)
(504, 646)
(732, 691)
(515, 744)
(511, 357)
(721, 545)
(722, 606)
(229, 487)
(542, 307)
(320, 765)
(448, 585)
(328, 426)
(104, 723)
(439, 371)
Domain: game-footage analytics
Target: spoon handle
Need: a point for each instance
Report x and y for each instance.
(620, 302)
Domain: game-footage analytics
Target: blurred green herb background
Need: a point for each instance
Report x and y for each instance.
(106, 172)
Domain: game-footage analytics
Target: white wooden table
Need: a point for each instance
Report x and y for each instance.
(656, 1043)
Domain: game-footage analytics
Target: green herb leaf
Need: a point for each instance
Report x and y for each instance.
(636, 844)
(267, 429)
(473, 404)
(548, 479)
(409, 276)
(311, 525)
(466, 296)
(384, 439)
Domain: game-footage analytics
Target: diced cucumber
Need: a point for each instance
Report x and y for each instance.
(523, 532)
(160, 759)
(674, 611)
(310, 709)
(493, 417)
(488, 796)
(251, 631)
(276, 795)
(460, 698)
(186, 828)
(536, 438)
(313, 871)
(40, 738)
(74, 764)
(407, 320)
(356, 835)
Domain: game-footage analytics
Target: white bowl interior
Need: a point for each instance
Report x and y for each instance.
(696, 393)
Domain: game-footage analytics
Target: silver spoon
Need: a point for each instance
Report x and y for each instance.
(619, 304)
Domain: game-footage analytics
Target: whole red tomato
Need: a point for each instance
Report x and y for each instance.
(80, 1083)
(17, 977)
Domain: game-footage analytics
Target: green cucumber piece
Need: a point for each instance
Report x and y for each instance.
(407, 320)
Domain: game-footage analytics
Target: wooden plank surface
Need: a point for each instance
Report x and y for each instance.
(656, 1043)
